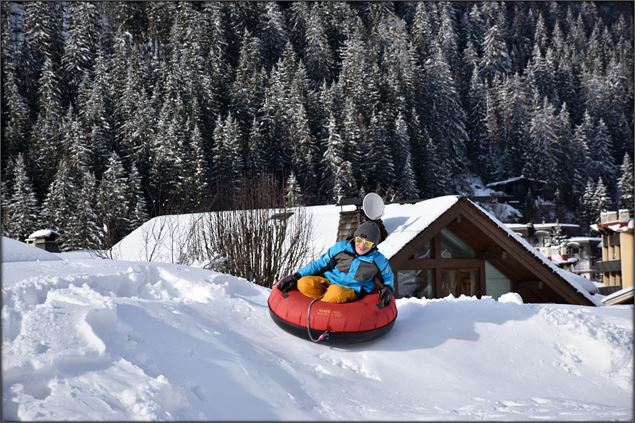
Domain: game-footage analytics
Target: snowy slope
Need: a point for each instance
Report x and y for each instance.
(93, 339)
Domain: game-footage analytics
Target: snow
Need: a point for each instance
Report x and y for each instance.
(42, 233)
(514, 179)
(13, 251)
(94, 339)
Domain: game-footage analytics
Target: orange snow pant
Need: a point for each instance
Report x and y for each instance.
(317, 286)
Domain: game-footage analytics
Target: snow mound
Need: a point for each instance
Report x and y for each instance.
(511, 297)
(92, 339)
(13, 251)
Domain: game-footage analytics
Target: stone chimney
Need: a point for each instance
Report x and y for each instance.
(351, 215)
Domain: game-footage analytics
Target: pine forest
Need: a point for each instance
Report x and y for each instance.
(115, 112)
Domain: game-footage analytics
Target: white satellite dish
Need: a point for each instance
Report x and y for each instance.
(373, 206)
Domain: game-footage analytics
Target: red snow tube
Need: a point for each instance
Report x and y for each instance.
(357, 321)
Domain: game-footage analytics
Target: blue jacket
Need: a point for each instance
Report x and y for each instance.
(341, 265)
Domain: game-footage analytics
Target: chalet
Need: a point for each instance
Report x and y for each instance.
(449, 245)
(45, 239)
(518, 187)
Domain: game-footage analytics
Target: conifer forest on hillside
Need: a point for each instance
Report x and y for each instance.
(113, 112)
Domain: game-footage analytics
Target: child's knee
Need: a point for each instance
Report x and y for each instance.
(339, 294)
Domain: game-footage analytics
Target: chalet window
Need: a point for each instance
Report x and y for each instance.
(453, 247)
(425, 252)
(458, 282)
(496, 283)
(416, 283)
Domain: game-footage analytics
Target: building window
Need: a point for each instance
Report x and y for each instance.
(496, 283)
(458, 282)
(416, 283)
(453, 247)
(426, 251)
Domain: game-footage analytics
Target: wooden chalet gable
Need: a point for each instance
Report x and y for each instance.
(490, 255)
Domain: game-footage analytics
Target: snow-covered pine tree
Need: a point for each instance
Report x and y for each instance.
(331, 163)
(625, 183)
(76, 147)
(80, 48)
(496, 61)
(228, 165)
(83, 230)
(196, 179)
(318, 55)
(16, 118)
(293, 193)
(138, 209)
(249, 84)
(273, 35)
(95, 120)
(445, 117)
(166, 162)
(422, 31)
(475, 125)
(601, 198)
(42, 40)
(22, 206)
(257, 150)
(46, 140)
(113, 201)
(539, 159)
(600, 149)
(406, 186)
(60, 202)
(378, 160)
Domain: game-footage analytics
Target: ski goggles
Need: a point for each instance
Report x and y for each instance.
(367, 243)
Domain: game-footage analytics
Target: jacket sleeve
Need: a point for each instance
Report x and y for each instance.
(386, 271)
(318, 266)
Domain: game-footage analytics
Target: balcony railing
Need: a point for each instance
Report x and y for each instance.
(609, 266)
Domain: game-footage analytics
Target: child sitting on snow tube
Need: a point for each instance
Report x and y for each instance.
(347, 271)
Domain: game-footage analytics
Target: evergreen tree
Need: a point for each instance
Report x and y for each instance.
(60, 203)
(406, 184)
(83, 230)
(113, 202)
(600, 147)
(22, 206)
(318, 56)
(228, 165)
(539, 161)
(331, 163)
(496, 62)
(293, 196)
(445, 116)
(587, 211)
(625, 183)
(80, 49)
(273, 35)
(15, 120)
(138, 207)
(46, 142)
(601, 198)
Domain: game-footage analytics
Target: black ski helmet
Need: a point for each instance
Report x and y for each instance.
(368, 230)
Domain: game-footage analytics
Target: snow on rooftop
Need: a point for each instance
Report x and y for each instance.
(15, 251)
(42, 233)
(517, 178)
